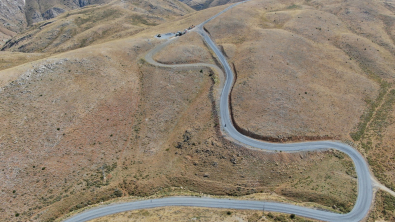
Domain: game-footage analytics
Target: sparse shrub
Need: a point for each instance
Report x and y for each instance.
(118, 193)
(228, 213)
(292, 216)
(145, 213)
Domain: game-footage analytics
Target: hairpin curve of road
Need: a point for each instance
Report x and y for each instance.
(365, 187)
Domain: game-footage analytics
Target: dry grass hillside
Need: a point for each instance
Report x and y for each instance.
(204, 4)
(12, 59)
(5, 35)
(98, 123)
(304, 87)
(199, 214)
(95, 24)
(39, 10)
(315, 69)
(12, 19)
(12, 15)
(188, 49)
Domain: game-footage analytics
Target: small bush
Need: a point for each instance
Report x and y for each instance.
(118, 193)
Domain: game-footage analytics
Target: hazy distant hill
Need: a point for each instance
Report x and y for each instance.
(12, 18)
(203, 4)
(94, 24)
(12, 14)
(39, 10)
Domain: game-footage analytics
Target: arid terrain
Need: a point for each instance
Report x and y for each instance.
(204, 4)
(199, 214)
(95, 24)
(85, 119)
(309, 70)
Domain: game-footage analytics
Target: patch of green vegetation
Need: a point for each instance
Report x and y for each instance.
(138, 19)
(379, 122)
(368, 115)
(384, 208)
(326, 200)
(293, 7)
(145, 213)
(253, 218)
(389, 202)
(239, 40)
(91, 17)
(381, 117)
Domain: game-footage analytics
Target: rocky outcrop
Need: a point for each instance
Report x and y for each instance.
(203, 4)
(39, 10)
(12, 19)
(52, 13)
(82, 3)
(12, 15)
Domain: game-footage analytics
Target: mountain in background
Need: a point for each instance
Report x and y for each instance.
(39, 10)
(12, 18)
(203, 4)
(91, 24)
(18, 15)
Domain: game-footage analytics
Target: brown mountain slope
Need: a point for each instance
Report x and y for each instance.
(12, 59)
(203, 4)
(5, 35)
(309, 73)
(95, 24)
(98, 123)
(12, 19)
(39, 10)
(12, 15)
(308, 69)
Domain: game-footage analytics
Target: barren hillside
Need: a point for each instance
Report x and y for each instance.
(95, 24)
(40, 10)
(204, 4)
(315, 69)
(199, 214)
(12, 19)
(85, 119)
(97, 123)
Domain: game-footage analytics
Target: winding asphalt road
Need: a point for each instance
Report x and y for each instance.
(365, 188)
